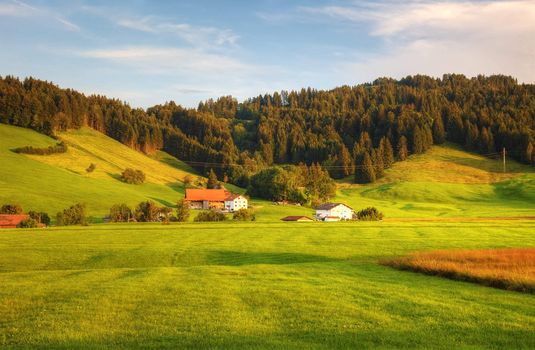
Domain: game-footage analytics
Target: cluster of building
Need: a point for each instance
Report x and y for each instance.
(216, 199)
(12, 220)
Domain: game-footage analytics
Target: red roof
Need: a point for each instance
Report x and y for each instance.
(203, 194)
(332, 217)
(11, 221)
(296, 218)
(233, 196)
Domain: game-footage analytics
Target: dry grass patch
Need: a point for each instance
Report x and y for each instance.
(511, 269)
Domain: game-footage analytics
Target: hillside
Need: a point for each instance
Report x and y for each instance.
(53, 182)
(444, 182)
(447, 182)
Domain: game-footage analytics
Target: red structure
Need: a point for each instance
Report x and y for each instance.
(12, 220)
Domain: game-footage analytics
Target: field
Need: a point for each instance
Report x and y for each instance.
(254, 285)
(263, 284)
(511, 268)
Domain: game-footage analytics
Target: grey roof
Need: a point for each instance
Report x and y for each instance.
(329, 206)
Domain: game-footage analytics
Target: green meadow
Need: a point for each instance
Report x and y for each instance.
(254, 286)
(264, 284)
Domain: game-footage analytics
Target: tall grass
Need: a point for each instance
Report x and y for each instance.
(511, 269)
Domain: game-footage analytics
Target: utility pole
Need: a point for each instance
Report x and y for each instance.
(503, 156)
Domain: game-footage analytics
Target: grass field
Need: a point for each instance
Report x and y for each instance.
(511, 268)
(254, 285)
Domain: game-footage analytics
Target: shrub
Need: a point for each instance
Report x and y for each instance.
(147, 212)
(91, 168)
(29, 223)
(210, 215)
(40, 217)
(75, 215)
(370, 214)
(132, 176)
(58, 148)
(182, 210)
(120, 213)
(11, 209)
(244, 215)
(165, 213)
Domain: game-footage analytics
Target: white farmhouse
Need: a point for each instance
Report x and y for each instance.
(333, 212)
(235, 202)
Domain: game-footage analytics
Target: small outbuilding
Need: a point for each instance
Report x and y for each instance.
(297, 218)
(12, 220)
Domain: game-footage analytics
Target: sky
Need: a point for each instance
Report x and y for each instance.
(150, 52)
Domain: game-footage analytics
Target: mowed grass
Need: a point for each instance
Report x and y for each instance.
(254, 285)
(512, 268)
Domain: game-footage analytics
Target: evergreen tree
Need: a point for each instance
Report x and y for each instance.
(402, 149)
(364, 172)
(377, 161)
(439, 134)
(418, 141)
(388, 152)
(212, 180)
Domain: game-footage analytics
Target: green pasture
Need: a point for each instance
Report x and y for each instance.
(253, 286)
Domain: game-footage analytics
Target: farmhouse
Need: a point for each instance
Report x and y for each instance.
(11, 221)
(219, 199)
(297, 218)
(333, 212)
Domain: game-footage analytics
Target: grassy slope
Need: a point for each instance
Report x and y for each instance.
(253, 285)
(447, 182)
(54, 182)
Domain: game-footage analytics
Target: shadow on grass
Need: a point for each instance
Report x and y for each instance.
(164, 202)
(235, 258)
(492, 165)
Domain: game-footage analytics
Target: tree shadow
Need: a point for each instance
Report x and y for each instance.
(235, 258)
(492, 165)
(163, 202)
(114, 176)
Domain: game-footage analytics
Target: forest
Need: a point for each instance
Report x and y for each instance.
(350, 131)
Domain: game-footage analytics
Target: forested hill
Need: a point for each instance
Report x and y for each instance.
(346, 129)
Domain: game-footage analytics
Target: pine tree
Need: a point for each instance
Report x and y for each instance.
(439, 134)
(378, 164)
(212, 180)
(417, 140)
(388, 152)
(402, 149)
(364, 172)
(530, 154)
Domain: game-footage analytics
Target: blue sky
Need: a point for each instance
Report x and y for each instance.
(149, 52)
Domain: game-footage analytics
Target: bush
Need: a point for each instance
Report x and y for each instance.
(120, 213)
(132, 176)
(211, 215)
(29, 223)
(91, 168)
(58, 148)
(370, 214)
(244, 215)
(182, 210)
(147, 212)
(11, 209)
(40, 217)
(75, 215)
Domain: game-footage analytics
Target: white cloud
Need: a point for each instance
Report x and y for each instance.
(17, 8)
(168, 60)
(195, 35)
(486, 37)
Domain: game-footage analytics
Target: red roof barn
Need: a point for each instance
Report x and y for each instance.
(12, 220)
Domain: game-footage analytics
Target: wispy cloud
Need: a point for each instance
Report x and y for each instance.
(197, 35)
(17, 8)
(439, 37)
(169, 59)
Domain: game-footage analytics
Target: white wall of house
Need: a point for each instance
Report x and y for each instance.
(237, 203)
(342, 211)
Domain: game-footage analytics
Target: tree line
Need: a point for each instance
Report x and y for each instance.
(350, 130)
